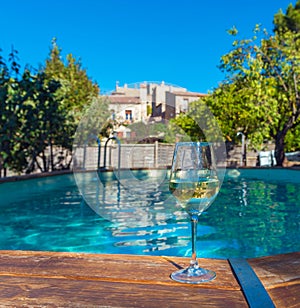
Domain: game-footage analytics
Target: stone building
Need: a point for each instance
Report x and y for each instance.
(149, 101)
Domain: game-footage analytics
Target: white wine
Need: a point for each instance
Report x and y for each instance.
(195, 195)
(194, 183)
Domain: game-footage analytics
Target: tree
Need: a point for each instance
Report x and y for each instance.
(77, 90)
(236, 108)
(40, 111)
(290, 21)
(76, 94)
(266, 78)
(260, 94)
(10, 109)
(30, 122)
(43, 124)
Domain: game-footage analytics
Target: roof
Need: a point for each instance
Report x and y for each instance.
(116, 99)
(195, 94)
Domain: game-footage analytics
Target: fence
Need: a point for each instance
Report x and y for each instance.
(133, 156)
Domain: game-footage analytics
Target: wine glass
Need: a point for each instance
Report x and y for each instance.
(194, 183)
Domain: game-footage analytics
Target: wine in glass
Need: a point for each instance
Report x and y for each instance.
(194, 183)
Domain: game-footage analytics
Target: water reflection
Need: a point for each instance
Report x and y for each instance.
(147, 203)
(256, 217)
(145, 214)
(256, 213)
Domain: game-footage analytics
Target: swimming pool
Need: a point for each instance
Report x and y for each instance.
(255, 214)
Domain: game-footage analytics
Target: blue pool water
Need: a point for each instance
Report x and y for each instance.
(255, 214)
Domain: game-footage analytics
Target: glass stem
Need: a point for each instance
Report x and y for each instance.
(194, 220)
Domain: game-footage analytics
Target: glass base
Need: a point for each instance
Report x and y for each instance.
(193, 274)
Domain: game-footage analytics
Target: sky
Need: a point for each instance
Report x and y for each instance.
(178, 42)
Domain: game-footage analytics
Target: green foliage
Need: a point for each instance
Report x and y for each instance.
(94, 122)
(77, 91)
(40, 112)
(107, 129)
(186, 128)
(290, 21)
(198, 124)
(10, 109)
(143, 132)
(261, 94)
(292, 140)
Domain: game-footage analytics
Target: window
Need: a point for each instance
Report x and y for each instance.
(184, 105)
(128, 114)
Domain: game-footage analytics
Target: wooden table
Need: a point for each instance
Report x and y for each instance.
(52, 279)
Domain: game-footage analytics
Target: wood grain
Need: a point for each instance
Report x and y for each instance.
(280, 275)
(61, 279)
(61, 293)
(146, 269)
(277, 270)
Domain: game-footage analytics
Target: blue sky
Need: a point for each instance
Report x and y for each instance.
(179, 42)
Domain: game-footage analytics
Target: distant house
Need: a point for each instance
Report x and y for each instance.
(126, 108)
(178, 102)
(149, 101)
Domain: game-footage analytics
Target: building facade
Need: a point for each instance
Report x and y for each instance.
(149, 101)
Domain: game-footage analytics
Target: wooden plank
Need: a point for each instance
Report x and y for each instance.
(280, 274)
(145, 269)
(59, 279)
(54, 292)
(286, 296)
(89, 280)
(252, 287)
(278, 270)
